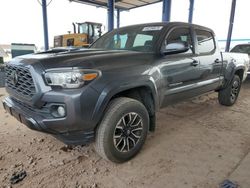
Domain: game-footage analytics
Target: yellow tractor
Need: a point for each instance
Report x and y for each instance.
(84, 34)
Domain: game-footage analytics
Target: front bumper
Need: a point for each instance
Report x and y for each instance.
(38, 120)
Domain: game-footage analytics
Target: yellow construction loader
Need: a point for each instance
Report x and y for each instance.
(84, 34)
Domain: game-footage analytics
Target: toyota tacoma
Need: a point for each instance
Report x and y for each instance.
(110, 92)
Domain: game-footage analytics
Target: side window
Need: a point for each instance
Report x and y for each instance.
(142, 40)
(205, 41)
(181, 35)
(91, 33)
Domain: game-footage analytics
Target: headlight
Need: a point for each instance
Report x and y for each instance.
(70, 78)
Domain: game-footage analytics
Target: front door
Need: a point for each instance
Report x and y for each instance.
(180, 72)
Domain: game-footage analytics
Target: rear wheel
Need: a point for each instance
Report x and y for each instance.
(229, 95)
(123, 130)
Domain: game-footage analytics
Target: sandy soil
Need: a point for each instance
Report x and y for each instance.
(197, 144)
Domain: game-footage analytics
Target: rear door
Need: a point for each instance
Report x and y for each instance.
(209, 58)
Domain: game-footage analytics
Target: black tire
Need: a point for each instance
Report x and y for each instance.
(122, 113)
(229, 95)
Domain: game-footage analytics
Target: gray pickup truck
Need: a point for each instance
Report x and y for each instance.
(111, 92)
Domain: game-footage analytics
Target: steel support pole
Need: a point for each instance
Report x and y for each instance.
(231, 22)
(118, 18)
(45, 25)
(166, 10)
(191, 11)
(110, 15)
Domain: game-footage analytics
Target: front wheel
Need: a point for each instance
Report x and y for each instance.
(123, 130)
(229, 95)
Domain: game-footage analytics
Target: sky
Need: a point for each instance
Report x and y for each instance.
(21, 20)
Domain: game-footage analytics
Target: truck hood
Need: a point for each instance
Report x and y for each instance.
(85, 58)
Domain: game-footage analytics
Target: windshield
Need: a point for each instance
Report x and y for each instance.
(83, 28)
(137, 38)
(242, 49)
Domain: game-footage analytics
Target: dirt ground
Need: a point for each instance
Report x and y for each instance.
(197, 144)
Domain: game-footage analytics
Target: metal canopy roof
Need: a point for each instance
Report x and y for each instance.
(119, 4)
(130, 4)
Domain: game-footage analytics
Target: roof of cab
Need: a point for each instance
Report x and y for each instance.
(169, 24)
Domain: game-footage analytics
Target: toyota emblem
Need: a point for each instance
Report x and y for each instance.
(14, 78)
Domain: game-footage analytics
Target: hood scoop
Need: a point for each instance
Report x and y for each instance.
(60, 50)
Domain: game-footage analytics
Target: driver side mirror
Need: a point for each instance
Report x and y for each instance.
(176, 47)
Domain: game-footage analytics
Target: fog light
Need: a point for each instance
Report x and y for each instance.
(61, 111)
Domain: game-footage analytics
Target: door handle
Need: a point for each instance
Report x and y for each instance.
(195, 63)
(217, 61)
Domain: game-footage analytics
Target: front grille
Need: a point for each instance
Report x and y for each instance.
(19, 80)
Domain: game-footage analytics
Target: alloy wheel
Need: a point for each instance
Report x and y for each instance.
(235, 90)
(128, 132)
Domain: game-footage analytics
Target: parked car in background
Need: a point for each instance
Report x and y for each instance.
(242, 48)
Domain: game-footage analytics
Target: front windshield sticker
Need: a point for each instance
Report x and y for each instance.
(153, 28)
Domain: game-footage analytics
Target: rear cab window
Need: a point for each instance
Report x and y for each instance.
(245, 48)
(142, 40)
(120, 41)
